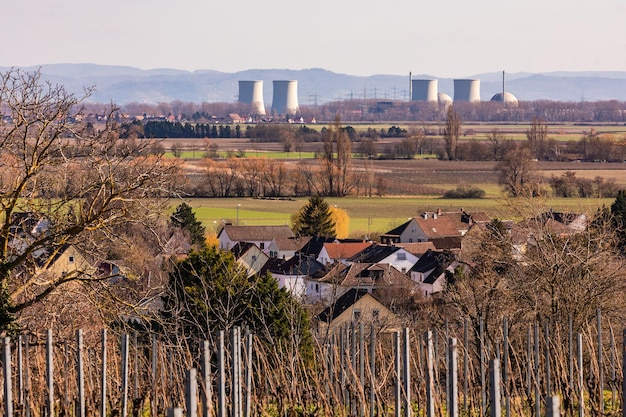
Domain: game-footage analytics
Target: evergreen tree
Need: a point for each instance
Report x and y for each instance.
(315, 219)
(618, 218)
(185, 218)
(210, 291)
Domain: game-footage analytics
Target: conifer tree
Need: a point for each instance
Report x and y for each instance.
(315, 219)
(185, 218)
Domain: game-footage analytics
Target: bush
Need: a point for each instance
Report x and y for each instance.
(465, 192)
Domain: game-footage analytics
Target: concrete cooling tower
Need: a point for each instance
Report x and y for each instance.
(285, 98)
(467, 90)
(424, 90)
(251, 92)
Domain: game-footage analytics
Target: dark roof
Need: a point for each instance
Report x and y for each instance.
(344, 302)
(271, 264)
(374, 254)
(398, 230)
(433, 260)
(314, 246)
(241, 248)
(298, 265)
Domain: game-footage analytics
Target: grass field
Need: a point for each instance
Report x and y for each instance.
(371, 215)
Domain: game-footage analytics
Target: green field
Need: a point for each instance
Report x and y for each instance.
(371, 215)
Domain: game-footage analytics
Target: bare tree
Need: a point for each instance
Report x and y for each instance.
(451, 133)
(537, 137)
(62, 185)
(518, 173)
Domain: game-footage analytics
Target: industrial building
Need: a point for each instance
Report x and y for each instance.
(251, 92)
(285, 97)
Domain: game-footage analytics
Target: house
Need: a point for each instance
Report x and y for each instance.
(63, 261)
(285, 247)
(262, 236)
(432, 270)
(356, 306)
(292, 274)
(434, 226)
(382, 279)
(320, 248)
(250, 256)
(398, 257)
(340, 251)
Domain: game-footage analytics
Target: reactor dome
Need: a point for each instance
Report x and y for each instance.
(508, 98)
(443, 99)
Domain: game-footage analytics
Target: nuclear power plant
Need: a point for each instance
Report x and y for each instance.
(467, 90)
(424, 90)
(285, 97)
(251, 92)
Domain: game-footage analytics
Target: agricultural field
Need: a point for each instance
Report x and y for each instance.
(413, 186)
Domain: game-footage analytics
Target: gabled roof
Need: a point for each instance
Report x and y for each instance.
(374, 253)
(298, 265)
(344, 302)
(438, 226)
(367, 274)
(398, 230)
(434, 261)
(416, 248)
(256, 233)
(241, 248)
(289, 243)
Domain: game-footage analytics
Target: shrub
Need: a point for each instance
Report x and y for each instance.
(463, 191)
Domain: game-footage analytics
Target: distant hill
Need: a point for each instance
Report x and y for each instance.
(122, 85)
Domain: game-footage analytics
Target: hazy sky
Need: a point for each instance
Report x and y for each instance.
(443, 38)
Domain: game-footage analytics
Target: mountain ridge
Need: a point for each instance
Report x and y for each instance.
(125, 84)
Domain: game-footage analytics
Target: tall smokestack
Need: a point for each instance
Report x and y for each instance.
(410, 86)
(503, 98)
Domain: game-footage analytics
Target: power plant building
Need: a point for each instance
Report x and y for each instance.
(251, 92)
(424, 90)
(506, 98)
(467, 90)
(285, 97)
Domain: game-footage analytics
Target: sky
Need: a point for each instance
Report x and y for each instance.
(442, 38)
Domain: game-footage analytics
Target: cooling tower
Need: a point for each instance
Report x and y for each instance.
(251, 92)
(424, 90)
(285, 99)
(467, 90)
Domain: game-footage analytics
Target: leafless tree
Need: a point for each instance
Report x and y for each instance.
(451, 133)
(76, 184)
(518, 173)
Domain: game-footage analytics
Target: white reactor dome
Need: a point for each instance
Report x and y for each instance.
(508, 98)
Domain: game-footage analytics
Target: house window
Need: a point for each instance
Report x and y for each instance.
(262, 245)
(401, 256)
(356, 315)
(410, 240)
(253, 258)
(317, 287)
(71, 259)
(404, 270)
(376, 314)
